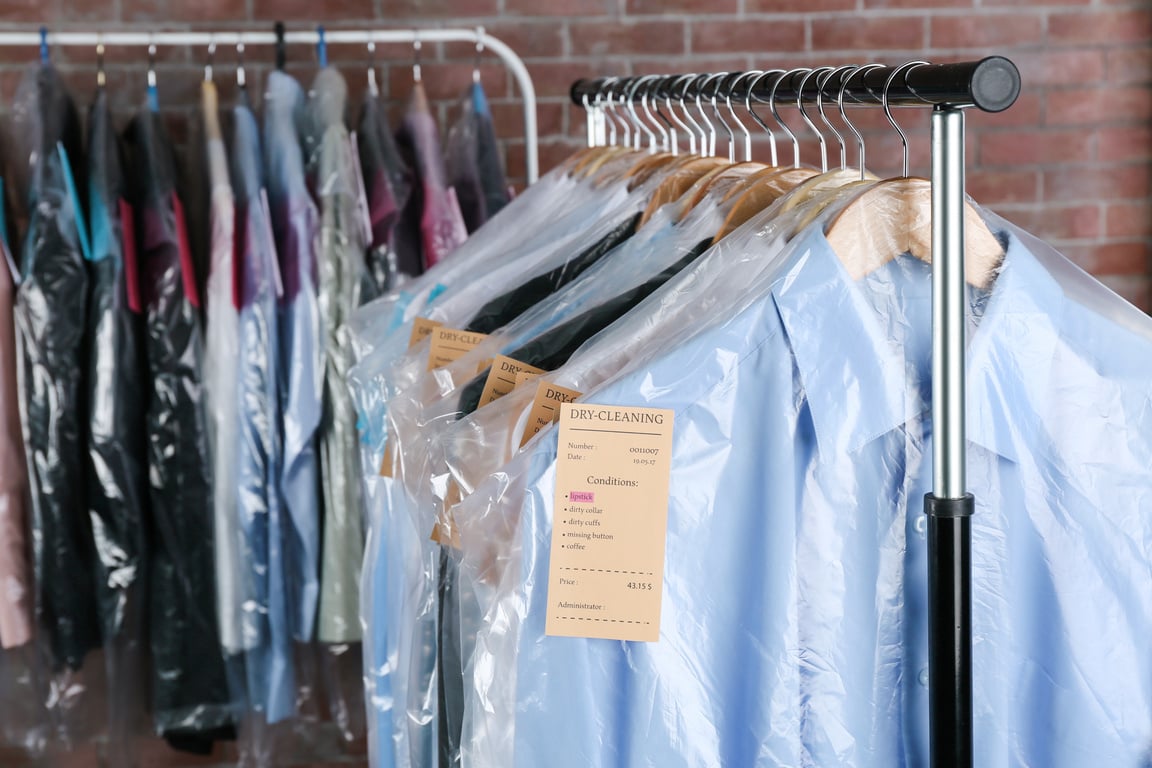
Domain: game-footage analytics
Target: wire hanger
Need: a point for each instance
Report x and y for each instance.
(860, 146)
(807, 120)
(281, 48)
(479, 53)
(153, 95)
(650, 83)
(759, 121)
(210, 61)
(776, 114)
(373, 88)
(416, 45)
(101, 78)
(736, 118)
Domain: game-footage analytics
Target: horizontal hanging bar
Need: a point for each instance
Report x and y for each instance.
(991, 84)
(311, 37)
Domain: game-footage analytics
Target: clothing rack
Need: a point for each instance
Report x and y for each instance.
(992, 85)
(319, 37)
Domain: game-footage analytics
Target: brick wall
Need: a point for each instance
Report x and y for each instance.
(1069, 161)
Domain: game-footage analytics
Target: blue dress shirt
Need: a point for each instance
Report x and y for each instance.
(793, 630)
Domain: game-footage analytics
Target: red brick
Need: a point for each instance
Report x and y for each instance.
(1060, 67)
(1125, 143)
(1017, 3)
(871, 4)
(1129, 219)
(751, 35)
(1111, 258)
(798, 6)
(574, 8)
(1130, 65)
(1100, 182)
(1017, 148)
(307, 10)
(1026, 112)
(508, 118)
(1108, 27)
(555, 78)
(1079, 106)
(527, 40)
(862, 33)
(987, 31)
(394, 10)
(996, 187)
(32, 11)
(681, 6)
(622, 37)
(1137, 290)
(1058, 222)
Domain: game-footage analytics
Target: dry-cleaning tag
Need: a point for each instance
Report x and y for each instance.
(502, 378)
(422, 328)
(610, 522)
(546, 408)
(525, 376)
(451, 344)
(386, 462)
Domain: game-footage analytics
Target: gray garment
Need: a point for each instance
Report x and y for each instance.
(343, 239)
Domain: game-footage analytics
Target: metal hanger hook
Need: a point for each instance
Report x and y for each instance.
(841, 71)
(720, 117)
(211, 60)
(864, 70)
(776, 113)
(684, 81)
(807, 120)
(736, 118)
(648, 85)
(760, 122)
(417, 75)
(906, 68)
(710, 147)
(479, 53)
(660, 90)
(241, 78)
(373, 88)
(636, 121)
(604, 102)
(627, 129)
(100, 77)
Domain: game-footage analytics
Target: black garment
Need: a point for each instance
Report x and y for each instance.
(190, 691)
(508, 306)
(551, 349)
(472, 161)
(117, 469)
(387, 184)
(50, 318)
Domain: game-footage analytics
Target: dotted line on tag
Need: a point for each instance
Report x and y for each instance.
(603, 570)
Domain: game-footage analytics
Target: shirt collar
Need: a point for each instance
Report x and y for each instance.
(856, 365)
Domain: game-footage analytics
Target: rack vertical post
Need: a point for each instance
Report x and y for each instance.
(949, 508)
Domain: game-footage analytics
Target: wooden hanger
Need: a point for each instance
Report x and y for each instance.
(765, 190)
(894, 217)
(679, 180)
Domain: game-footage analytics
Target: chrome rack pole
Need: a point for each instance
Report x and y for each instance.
(949, 507)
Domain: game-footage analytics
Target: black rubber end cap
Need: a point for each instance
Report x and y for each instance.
(995, 84)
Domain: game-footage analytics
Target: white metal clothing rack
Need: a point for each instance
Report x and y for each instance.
(362, 36)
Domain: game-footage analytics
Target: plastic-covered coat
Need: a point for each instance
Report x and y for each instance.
(51, 317)
(472, 160)
(431, 224)
(343, 240)
(296, 228)
(259, 451)
(387, 187)
(191, 698)
(16, 586)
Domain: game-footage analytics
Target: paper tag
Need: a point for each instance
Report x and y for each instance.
(546, 408)
(606, 575)
(422, 328)
(502, 378)
(445, 532)
(386, 463)
(451, 344)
